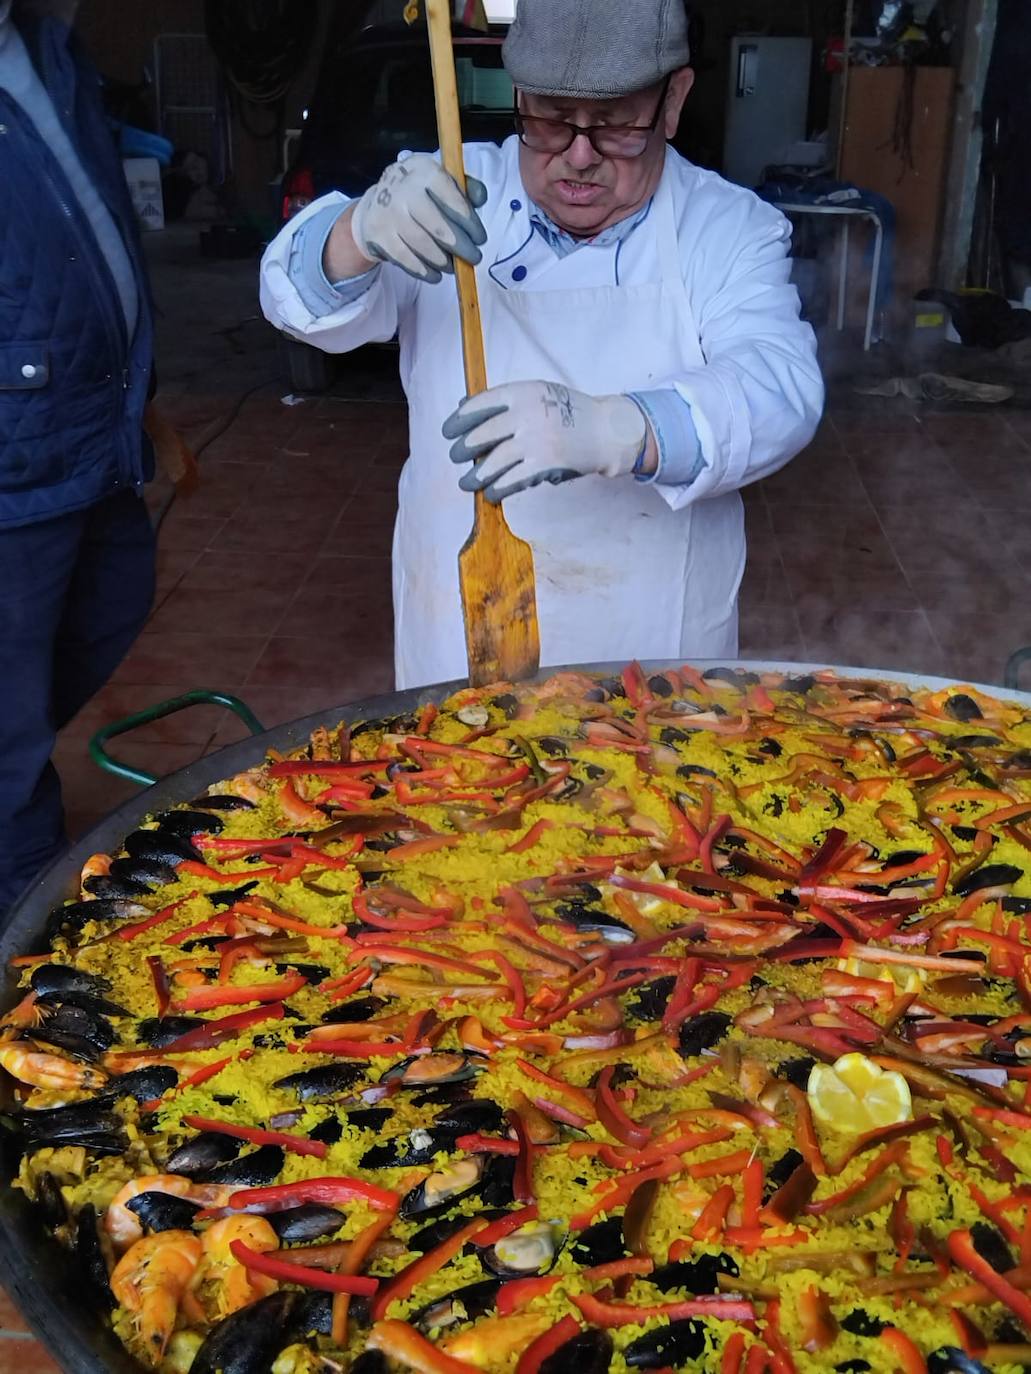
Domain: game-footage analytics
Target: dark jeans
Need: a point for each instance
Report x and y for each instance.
(74, 594)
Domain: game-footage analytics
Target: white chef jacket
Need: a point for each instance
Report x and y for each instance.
(697, 298)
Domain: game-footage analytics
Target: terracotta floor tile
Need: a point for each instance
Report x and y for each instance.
(25, 1356)
(884, 639)
(277, 705)
(11, 1320)
(764, 582)
(241, 610)
(976, 646)
(216, 661)
(182, 529)
(815, 477)
(770, 631)
(353, 538)
(321, 662)
(172, 565)
(275, 531)
(234, 570)
(193, 726)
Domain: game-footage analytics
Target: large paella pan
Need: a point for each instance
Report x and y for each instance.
(653, 1019)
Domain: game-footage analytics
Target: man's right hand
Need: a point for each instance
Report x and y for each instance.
(416, 217)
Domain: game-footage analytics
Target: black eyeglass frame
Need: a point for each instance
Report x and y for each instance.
(591, 130)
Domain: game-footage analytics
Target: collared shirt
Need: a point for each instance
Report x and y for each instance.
(669, 415)
(21, 81)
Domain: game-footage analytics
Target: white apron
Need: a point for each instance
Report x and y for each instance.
(619, 574)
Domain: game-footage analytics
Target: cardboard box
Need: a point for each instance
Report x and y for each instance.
(144, 177)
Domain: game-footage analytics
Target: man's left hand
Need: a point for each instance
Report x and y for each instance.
(519, 435)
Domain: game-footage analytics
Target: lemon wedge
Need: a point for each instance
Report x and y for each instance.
(905, 979)
(855, 1095)
(646, 903)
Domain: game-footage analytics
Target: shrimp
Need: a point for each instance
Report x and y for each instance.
(96, 866)
(123, 1225)
(225, 1281)
(24, 1013)
(150, 1280)
(250, 785)
(40, 1070)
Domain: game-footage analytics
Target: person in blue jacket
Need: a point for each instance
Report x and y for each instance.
(76, 355)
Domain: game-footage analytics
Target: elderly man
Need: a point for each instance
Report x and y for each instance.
(640, 330)
(76, 351)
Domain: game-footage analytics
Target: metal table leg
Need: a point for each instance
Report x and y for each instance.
(875, 273)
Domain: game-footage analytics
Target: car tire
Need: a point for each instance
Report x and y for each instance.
(309, 369)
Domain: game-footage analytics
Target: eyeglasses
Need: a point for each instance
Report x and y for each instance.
(608, 140)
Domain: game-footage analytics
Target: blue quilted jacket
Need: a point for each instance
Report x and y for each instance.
(72, 386)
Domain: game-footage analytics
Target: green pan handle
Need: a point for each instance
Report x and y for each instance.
(103, 759)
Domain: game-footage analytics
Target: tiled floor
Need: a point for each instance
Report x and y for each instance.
(898, 540)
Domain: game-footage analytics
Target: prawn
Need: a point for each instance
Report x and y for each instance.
(123, 1225)
(251, 786)
(150, 1280)
(223, 1278)
(41, 1070)
(96, 866)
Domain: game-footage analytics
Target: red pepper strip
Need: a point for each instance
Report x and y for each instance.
(504, 1226)
(325, 768)
(721, 1166)
(675, 895)
(239, 849)
(180, 937)
(823, 860)
(285, 1272)
(892, 1155)
(910, 1360)
(406, 1280)
(782, 1363)
(210, 1070)
(198, 870)
(296, 1144)
(582, 1099)
(961, 1248)
(405, 1346)
(522, 1181)
(752, 1185)
(408, 924)
(204, 999)
(359, 1049)
(613, 1117)
(232, 952)
(733, 1352)
(994, 1213)
(714, 1214)
(158, 976)
(622, 1190)
(676, 1008)
(254, 911)
(546, 1345)
(884, 1134)
(511, 976)
(518, 1292)
(616, 1269)
(159, 918)
(610, 1314)
(715, 832)
(414, 848)
(354, 1258)
(349, 983)
(758, 1360)
(475, 1144)
(531, 837)
(805, 1133)
(224, 1028)
(902, 1230)
(329, 1190)
(390, 954)
(635, 684)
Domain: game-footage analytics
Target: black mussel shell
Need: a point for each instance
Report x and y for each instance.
(188, 823)
(142, 1084)
(991, 875)
(88, 1254)
(109, 887)
(249, 1340)
(859, 1322)
(589, 1352)
(961, 707)
(736, 677)
(661, 685)
(163, 1211)
(465, 1304)
(312, 973)
(525, 1254)
(202, 1152)
(974, 741)
(498, 1181)
(695, 1276)
(71, 1123)
(161, 845)
(369, 1118)
(75, 1046)
(159, 1031)
(95, 1143)
(444, 1095)
(780, 1171)
(652, 999)
(586, 918)
(85, 1001)
(59, 978)
(370, 1362)
(852, 1367)
(949, 1359)
(226, 896)
(305, 1224)
(796, 1071)
(50, 1201)
(990, 1244)
(437, 1232)
(465, 1118)
(601, 1243)
(361, 1009)
(323, 1081)
(222, 802)
(257, 1169)
(75, 1020)
(422, 1071)
(153, 873)
(444, 1188)
(76, 914)
(667, 1347)
(329, 1131)
(804, 682)
(1017, 906)
(418, 1147)
(313, 1316)
(703, 1031)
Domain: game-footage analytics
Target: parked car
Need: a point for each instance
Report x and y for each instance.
(373, 100)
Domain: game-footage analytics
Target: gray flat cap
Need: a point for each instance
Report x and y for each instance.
(597, 49)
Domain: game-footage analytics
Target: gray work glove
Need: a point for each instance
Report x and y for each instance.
(415, 216)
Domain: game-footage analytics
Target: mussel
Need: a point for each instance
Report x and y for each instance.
(610, 928)
(369, 1118)
(142, 1084)
(189, 823)
(221, 802)
(694, 1276)
(444, 1188)
(111, 887)
(417, 1147)
(588, 1352)
(201, 1153)
(306, 1223)
(437, 1232)
(949, 1359)
(323, 1081)
(159, 1031)
(226, 896)
(328, 1131)
(990, 1244)
(434, 1070)
(256, 1169)
(247, 1340)
(87, 1002)
(599, 1244)
(524, 1254)
(50, 1201)
(162, 846)
(360, 1009)
(701, 1032)
(651, 999)
(59, 978)
(69, 919)
(989, 876)
(463, 1305)
(859, 1322)
(163, 1211)
(91, 1270)
(667, 1347)
(478, 1115)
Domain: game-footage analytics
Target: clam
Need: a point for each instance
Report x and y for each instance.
(441, 1190)
(434, 1070)
(525, 1254)
(463, 1305)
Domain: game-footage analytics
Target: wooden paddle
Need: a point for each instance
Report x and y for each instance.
(495, 569)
